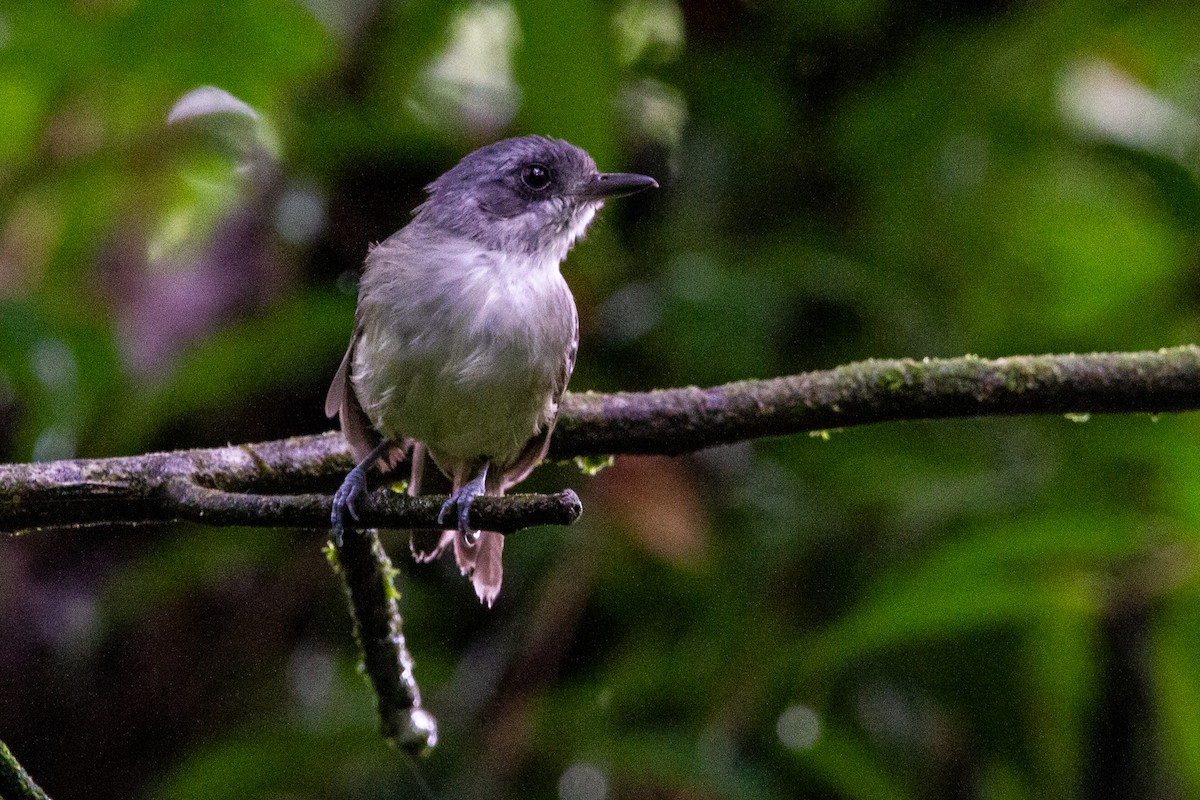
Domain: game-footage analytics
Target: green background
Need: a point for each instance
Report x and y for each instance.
(1001, 608)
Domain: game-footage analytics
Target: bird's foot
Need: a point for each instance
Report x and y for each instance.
(460, 502)
(345, 500)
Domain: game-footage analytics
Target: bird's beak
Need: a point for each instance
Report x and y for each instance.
(614, 184)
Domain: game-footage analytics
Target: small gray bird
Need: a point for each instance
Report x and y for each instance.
(465, 335)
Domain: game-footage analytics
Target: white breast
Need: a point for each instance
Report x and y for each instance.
(464, 352)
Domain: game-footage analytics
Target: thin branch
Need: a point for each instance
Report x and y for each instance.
(367, 573)
(167, 487)
(270, 483)
(15, 782)
(676, 421)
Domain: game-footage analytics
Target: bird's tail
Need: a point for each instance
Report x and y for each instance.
(478, 553)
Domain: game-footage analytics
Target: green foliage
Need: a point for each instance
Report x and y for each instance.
(998, 608)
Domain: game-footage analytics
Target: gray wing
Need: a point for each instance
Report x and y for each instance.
(536, 448)
(342, 401)
(341, 380)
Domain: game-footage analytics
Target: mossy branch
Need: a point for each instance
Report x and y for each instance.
(367, 573)
(287, 482)
(673, 421)
(15, 782)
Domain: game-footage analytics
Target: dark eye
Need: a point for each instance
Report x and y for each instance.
(535, 176)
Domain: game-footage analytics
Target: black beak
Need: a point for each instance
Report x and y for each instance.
(614, 184)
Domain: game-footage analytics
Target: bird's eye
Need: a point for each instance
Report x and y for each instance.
(535, 176)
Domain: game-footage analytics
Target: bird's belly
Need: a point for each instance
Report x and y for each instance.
(492, 416)
(470, 386)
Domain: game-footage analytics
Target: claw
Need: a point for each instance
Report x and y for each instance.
(345, 499)
(462, 500)
(447, 508)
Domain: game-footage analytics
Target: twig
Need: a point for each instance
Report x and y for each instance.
(15, 782)
(367, 573)
(168, 487)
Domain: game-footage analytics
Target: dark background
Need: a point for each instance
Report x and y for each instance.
(1001, 608)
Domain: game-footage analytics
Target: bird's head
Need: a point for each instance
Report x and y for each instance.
(528, 195)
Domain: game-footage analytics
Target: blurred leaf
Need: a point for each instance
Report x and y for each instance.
(572, 40)
(1175, 652)
(264, 762)
(295, 343)
(179, 567)
(230, 120)
(1034, 570)
(851, 767)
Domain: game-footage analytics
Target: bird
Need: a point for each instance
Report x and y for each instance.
(465, 336)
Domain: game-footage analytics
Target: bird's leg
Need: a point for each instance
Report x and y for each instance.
(346, 496)
(462, 500)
